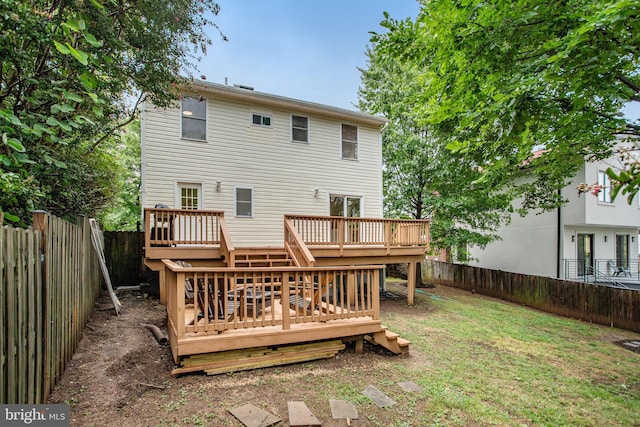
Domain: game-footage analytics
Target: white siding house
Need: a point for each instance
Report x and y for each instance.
(257, 157)
(588, 236)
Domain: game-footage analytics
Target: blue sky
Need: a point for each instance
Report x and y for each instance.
(303, 49)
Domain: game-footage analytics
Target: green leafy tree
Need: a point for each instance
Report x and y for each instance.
(498, 79)
(124, 211)
(72, 74)
(422, 179)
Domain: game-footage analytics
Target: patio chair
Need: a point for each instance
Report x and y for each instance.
(618, 270)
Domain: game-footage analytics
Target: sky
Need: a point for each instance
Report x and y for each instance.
(303, 49)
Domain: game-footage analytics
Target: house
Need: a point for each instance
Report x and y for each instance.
(258, 156)
(591, 238)
(263, 217)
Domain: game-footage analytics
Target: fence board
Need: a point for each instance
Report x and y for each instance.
(595, 303)
(48, 287)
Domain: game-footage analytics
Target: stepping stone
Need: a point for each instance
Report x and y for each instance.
(252, 416)
(341, 409)
(300, 415)
(410, 387)
(378, 397)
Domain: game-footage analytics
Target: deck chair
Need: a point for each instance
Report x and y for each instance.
(219, 305)
(307, 298)
(618, 270)
(188, 283)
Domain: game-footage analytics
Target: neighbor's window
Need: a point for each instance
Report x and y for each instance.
(244, 202)
(189, 196)
(194, 118)
(349, 142)
(604, 195)
(299, 128)
(261, 119)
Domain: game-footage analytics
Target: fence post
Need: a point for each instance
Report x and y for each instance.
(40, 220)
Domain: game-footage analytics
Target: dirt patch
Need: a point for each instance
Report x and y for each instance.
(120, 375)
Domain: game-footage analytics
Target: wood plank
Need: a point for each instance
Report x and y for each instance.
(301, 415)
(252, 416)
(342, 409)
(378, 397)
(262, 357)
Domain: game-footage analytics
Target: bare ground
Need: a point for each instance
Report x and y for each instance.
(121, 376)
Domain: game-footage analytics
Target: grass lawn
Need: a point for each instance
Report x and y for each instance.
(494, 363)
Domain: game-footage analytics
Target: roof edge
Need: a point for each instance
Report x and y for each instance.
(249, 95)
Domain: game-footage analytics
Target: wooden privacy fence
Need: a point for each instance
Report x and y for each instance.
(123, 251)
(49, 282)
(585, 301)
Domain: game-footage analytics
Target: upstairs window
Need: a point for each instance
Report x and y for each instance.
(244, 202)
(349, 142)
(299, 128)
(260, 119)
(194, 118)
(604, 195)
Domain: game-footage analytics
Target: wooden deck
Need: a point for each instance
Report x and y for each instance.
(324, 283)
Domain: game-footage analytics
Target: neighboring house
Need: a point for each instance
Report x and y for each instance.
(258, 156)
(590, 236)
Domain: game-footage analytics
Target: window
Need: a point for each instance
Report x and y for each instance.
(189, 196)
(604, 195)
(194, 118)
(244, 202)
(349, 142)
(299, 128)
(260, 120)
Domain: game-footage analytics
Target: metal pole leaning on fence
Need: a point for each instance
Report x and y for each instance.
(40, 220)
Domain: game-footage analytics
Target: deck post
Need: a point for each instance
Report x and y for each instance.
(178, 290)
(411, 287)
(375, 298)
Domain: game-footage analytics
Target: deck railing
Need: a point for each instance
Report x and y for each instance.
(207, 301)
(296, 247)
(347, 231)
(602, 270)
(169, 227)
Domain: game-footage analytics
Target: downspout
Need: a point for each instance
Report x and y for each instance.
(559, 239)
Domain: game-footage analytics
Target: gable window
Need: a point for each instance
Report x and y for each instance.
(349, 142)
(299, 128)
(244, 202)
(190, 196)
(604, 195)
(194, 118)
(260, 119)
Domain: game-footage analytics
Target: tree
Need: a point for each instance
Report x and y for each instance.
(422, 179)
(72, 74)
(498, 79)
(125, 211)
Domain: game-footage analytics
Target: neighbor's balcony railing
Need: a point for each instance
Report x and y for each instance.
(602, 269)
(209, 300)
(347, 231)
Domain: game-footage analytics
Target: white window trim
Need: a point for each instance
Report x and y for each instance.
(235, 200)
(357, 142)
(262, 115)
(343, 194)
(606, 189)
(308, 141)
(206, 121)
(178, 185)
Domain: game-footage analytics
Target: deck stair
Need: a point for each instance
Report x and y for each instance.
(389, 340)
(257, 258)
